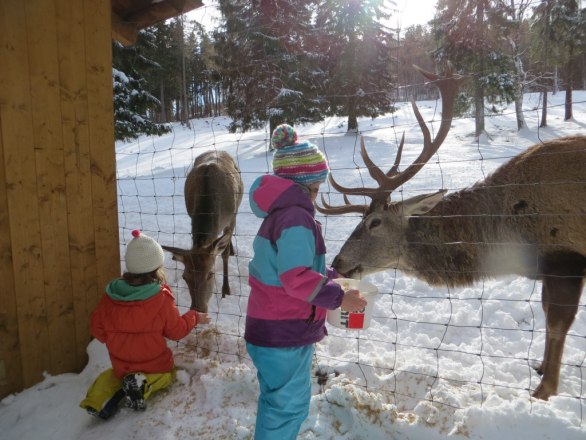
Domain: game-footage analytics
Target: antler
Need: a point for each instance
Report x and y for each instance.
(448, 88)
(344, 209)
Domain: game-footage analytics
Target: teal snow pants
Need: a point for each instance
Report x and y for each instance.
(284, 377)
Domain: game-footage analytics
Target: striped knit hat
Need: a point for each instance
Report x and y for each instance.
(301, 162)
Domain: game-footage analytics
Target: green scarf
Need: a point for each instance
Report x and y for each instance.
(122, 291)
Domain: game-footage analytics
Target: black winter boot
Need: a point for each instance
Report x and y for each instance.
(133, 386)
(109, 408)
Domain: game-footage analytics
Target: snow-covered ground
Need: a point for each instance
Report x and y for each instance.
(433, 363)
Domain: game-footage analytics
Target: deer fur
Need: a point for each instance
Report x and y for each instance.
(528, 218)
(213, 192)
(525, 210)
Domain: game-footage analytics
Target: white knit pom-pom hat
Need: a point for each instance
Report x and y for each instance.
(143, 254)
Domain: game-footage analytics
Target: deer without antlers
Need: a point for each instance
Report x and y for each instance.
(527, 218)
(213, 192)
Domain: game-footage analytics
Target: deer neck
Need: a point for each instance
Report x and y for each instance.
(455, 244)
(442, 244)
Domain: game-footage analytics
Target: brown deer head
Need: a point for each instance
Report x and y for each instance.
(200, 269)
(375, 244)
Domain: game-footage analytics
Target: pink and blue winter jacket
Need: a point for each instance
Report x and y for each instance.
(290, 286)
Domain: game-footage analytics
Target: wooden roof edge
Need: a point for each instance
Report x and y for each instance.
(122, 31)
(125, 29)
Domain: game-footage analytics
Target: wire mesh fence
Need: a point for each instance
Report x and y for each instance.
(427, 347)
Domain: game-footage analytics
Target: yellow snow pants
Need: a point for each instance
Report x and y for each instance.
(107, 384)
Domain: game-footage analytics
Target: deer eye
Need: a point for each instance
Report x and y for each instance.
(210, 275)
(374, 223)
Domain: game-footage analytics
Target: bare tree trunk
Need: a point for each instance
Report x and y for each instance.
(184, 106)
(545, 61)
(207, 102)
(544, 108)
(569, 85)
(218, 100)
(519, 9)
(478, 88)
(521, 124)
(195, 96)
(163, 103)
(352, 118)
(352, 124)
(520, 77)
(479, 109)
(215, 100)
(568, 104)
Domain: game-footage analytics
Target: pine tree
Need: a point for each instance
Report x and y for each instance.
(266, 73)
(132, 100)
(568, 25)
(415, 48)
(469, 34)
(206, 86)
(356, 58)
(164, 82)
(558, 29)
(516, 37)
(542, 50)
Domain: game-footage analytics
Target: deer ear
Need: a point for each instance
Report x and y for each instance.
(422, 204)
(178, 253)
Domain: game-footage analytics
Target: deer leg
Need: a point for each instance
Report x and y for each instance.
(560, 297)
(232, 253)
(225, 284)
(545, 300)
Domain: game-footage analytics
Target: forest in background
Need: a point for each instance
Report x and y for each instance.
(272, 61)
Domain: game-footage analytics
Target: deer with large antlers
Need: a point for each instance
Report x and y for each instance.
(528, 218)
(213, 192)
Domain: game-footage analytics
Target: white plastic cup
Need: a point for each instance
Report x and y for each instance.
(361, 319)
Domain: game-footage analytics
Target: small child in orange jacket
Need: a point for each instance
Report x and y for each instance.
(134, 318)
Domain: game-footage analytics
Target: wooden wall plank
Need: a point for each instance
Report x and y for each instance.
(78, 183)
(21, 193)
(102, 149)
(48, 145)
(58, 207)
(10, 361)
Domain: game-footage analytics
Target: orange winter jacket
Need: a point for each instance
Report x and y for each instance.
(134, 331)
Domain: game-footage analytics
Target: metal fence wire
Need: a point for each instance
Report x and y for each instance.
(426, 347)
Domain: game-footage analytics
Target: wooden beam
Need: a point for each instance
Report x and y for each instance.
(125, 29)
(162, 11)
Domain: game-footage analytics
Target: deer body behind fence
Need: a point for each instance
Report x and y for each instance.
(213, 192)
(527, 218)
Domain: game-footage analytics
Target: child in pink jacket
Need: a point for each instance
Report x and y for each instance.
(290, 286)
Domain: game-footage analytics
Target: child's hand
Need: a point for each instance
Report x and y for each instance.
(353, 301)
(203, 318)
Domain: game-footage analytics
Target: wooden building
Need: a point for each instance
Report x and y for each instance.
(59, 241)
